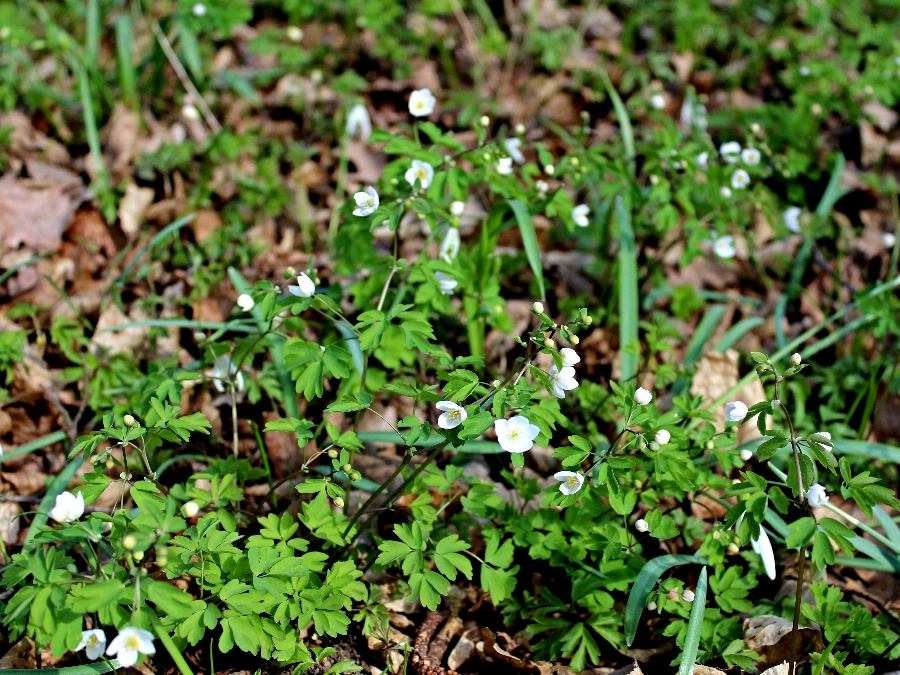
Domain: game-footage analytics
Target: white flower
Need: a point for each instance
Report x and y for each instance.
(129, 643)
(305, 287)
(763, 548)
(730, 151)
(359, 124)
(703, 160)
(816, 495)
(725, 191)
(724, 246)
(93, 642)
(569, 357)
(366, 202)
(421, 103)
(190, 509)
(68, 507)
(516, 434)
(457, 208)
(693, 114)
(224, 369)
(662, 436)
(245, 302)
(825, 434)
(446, 283)
(642, 396)
(688, 595)
(581, 214)
(294, 33)
(542, 186)
(199, 9)
(504, 166)
(804, 71)
(796, 359)
(450, 245)
(562, 381)
(888, 239)
(190, 112)
(537, 306)
(750, 156)
(746, 455)
(512, 145)
(420, 171)
(740, 179)
(570, 481)
(735, 411)
(452, 415)
(658, 101)
(641, 525)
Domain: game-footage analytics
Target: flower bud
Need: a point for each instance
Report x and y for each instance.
(338, 502)
(549, 343)
(333, 454)
(587, 321)
(520, 129)
(457, 208)
(190, 509)
(641, 525)
(138, 555)
(355, 475)
(574, 339)
(549, 169)
(796, 359)
(484, 121)
(295, 33)
(746, 455)
(129, 541)
(129, 420)
(688, 595)
(652, 606)
(538, 307)
(733, 549)
(347, 468)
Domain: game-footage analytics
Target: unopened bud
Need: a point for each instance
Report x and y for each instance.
(733, 549)
(587, 320)
(549, 343)
(796, 359)
(746, 455)
(129, 420)
(338, 502)
(538, 307)
(574, 339)
(190, 509)
(484, 121)
(333, 454)
(129, 541)
(355, 475)
(776, 403)
(549, 169)
(347, 468)
(652, 606)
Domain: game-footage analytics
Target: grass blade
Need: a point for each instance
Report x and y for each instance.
(85, 669)
(887, 524)
(529, 242)
(692, 640)
(736, 332)
(628, 291)
(34, 445)
(127, 79)
(645, 583)
(622, 117)
(474, 447)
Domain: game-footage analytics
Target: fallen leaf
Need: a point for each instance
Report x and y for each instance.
(773, 637)
(33, 215)
(127, 339)
(133, 207)
(9, 522)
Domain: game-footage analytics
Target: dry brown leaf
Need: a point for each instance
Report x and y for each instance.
(464, 648)
(772, 637)
(20, 655)
(34, 215)
(9, 522)
(118, 341)
(27, 480)
(706, 670)
(133, 207)
(205, 224)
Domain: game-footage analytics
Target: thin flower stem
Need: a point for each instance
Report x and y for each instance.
(861, 525)
(798, 601)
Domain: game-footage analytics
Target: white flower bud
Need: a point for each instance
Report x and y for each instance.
(190, 509)
(294, 33)
(484, 121)
(538, 307)
(457, 208)
(662, 436)
(688, 595)
(746, 455)
(549, 169)
(641, 525)
(129, 541)
(129, 420)
(549, 343)
(796, 359)
(642, 396)
(338, 502)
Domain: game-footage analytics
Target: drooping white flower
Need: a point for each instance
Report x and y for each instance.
(562, 381)
(199, 9)
(305, 288)
(740, 179)
(888, 239)
(725, 191)
(366, 202)
(245, 302)
(641, 525)
(730, 151)
(68, 507)
(746, 455)
(450, 245)
(763, 548)
(816, 495)
(129, 643)
(505, 166)
(516, 434)
(512, 147)
(446, 283)
(225, 369)
(735, 411)
(688, 595)
(703, 160)
(658, 101)
(642, 396)
(581, 215)
(569, 357)
(724, 246)
(359, 124)
(452, 414)
(570, 482)
(542, 186)
(93, 642)
(750, 156)
(421, 103)
(662, 436)
(420, 171)
(457, 208)
(693, 114)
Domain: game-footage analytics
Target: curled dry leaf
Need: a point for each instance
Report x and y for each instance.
(133, 207)
(9, 522)
(773, 638)
(34, 216)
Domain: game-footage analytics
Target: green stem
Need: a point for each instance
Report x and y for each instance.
(170, 646)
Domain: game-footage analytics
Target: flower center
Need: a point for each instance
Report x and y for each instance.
(453, 414)
(514, 434)
(92, 641)
(132, 643)
(572, 481)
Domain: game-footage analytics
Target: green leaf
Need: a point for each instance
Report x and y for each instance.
(429, 587)
(645, 583)
(695, 623)
(628, 291)
(800, 532)
(448, 559)
(353, 402)
(529, 242)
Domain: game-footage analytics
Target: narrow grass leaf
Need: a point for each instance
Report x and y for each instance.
(85, 669)
(127, 78)
(33, 446)
(628, 291)
(645, 583)
(695, 623)
(529, 241)
(737, 332)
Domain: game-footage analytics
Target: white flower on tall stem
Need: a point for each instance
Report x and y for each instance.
(569, 357)
(703, 160)
(581, 215)
(730, 151)
(505, 166)
(449, 245)
(93, 642)
(792, 218)
(724, 246)
(570, 482)
(359, 124)
(245, 301)
(735, 411)
(642, 396)
(750, 156)
(366, 202)
(740, 179)
(763, 548)
(68, 508)
(225, 370)
(512, 147)
(816, 495)
(452, 414)
(446, 283)
(129, 643)
(562, 381)
(658, 101)
(421, 103)
(420, 171)
(305, 288)
(516, 434)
